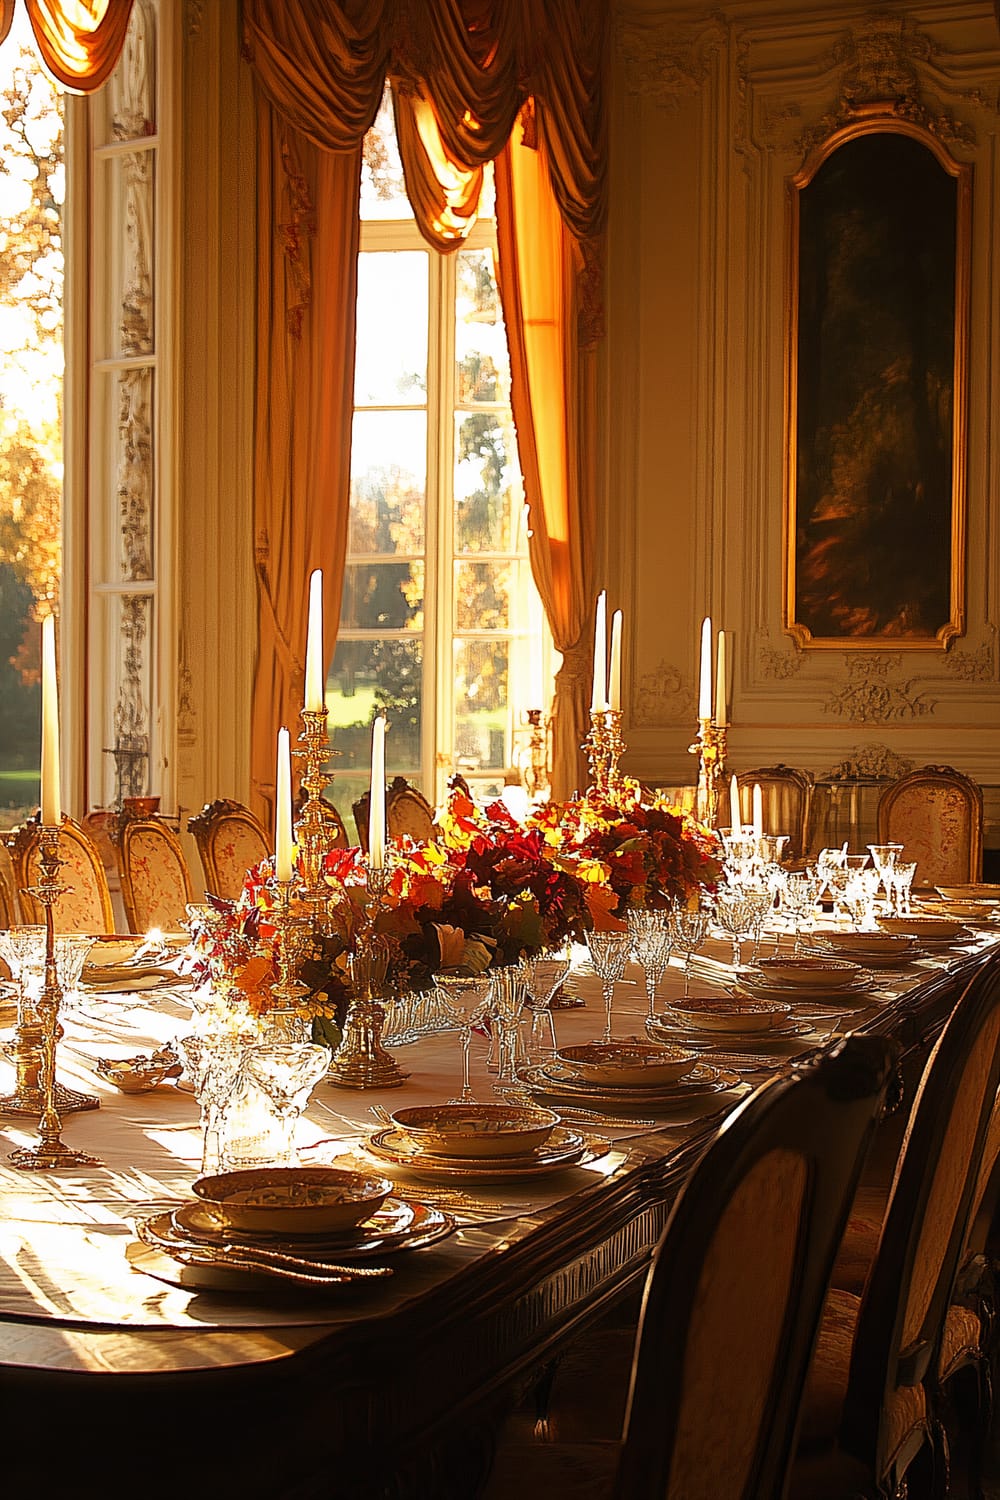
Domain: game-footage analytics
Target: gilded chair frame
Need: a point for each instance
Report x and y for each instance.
(206, 828)
(128, 830)
(930, 777)
(23, 843)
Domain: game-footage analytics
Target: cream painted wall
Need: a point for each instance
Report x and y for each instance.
(712, 105)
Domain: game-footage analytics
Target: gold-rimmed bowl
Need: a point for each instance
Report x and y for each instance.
(866, 944)
(730, 1013)
(629, 1061)
(293, 1200)
(809, 973)
(476, 1130)
(939, 928)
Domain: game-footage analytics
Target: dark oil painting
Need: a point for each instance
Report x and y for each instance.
(875, 392)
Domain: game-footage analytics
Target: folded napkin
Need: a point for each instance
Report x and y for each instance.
(136, 977)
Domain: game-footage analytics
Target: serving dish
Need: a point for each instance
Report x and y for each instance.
(943, 928)
(809, 973)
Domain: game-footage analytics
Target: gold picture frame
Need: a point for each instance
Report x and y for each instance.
(877, 336)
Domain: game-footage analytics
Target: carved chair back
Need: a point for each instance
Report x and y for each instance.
(230, 841)
(734, 1294)
(156, 885)
(85, 905)
(786, 795)
(936, 813)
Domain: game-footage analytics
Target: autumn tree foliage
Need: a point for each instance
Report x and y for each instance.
(31, 364)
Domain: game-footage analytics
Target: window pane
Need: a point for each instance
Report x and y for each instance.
(481, 359)
(481, 704)
(482, 596)
(390, 367)
(383, 193)
(343, 792)
(383, 596)
(367, 676)
(388, 482)
(487, 482)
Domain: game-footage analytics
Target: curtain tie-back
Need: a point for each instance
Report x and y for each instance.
(577, 662)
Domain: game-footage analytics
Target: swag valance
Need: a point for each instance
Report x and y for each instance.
(80, 41)
(519, 82)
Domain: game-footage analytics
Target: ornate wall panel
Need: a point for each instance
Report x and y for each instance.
(717, 106)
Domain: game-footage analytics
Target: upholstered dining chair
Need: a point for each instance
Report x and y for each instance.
(230, 841)
(85, 905)
(732, 1302)
(786, 795)
(10, 900)
(155, 883)
(870, 1426)
(407, 811)
(936, 813)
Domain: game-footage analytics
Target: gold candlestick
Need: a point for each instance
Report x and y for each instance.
(287, 995)
(361, 1061)
(536, 768)
(596, 746)
(710, 748)
(49, 1154)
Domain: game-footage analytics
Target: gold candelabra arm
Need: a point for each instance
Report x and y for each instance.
(292, 931)
(361, 1061)
(710, 748)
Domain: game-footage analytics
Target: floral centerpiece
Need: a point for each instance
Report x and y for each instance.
(628, 852)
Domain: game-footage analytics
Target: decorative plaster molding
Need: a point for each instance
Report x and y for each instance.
(664, 63)
(663, 697)
(867, 763)
(869, 697)
(973, 666)
(195, 16)
(778, 665)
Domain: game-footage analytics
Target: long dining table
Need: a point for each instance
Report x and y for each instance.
(115, 1374)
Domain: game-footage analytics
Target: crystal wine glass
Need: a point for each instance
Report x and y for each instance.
(688, 929)
(735, 913)
(651, 942)
(213, 1064)
(71, 949)
(467, 995)
(609, 953)
(884, 857)
(287, 1075)
(507, 1000)
(543, 973)
(902, 885)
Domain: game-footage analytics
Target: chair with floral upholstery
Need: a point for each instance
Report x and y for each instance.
(936, 813)
(10, 900)
(230, 842)
(156, 886)
(85, 905)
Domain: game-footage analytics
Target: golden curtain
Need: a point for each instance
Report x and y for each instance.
(461, 71)
(80, 40)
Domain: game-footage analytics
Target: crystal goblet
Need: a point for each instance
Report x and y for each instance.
(467, 996)
(543, 973)
(688, 930)
(508, 996)
(735, 913)
(609, 953)
(651, 942)
(287, 1075)
(884, 857)
(213, 1065)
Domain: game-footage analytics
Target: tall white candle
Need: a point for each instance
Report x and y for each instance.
(735, 816)
(51, 794)
(705, 677)
(283, 810)
(615, 674)
(720, 683)
(758, 811)
(599, 697)
(376, 803)
(315, 697)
